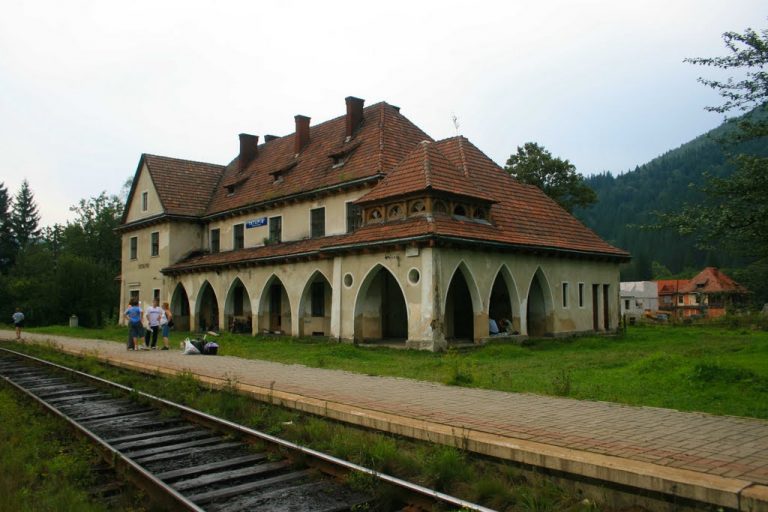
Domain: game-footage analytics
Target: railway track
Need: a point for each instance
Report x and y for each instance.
(185, 459)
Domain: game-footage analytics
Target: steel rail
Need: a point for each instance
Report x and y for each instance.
(220, 423)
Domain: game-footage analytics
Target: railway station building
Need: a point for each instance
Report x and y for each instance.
(362, 228)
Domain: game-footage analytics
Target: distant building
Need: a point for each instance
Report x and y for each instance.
(710, 294)
(362, 228)
(639, 297)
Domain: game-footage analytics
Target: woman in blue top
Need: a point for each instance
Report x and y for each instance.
(133, 315)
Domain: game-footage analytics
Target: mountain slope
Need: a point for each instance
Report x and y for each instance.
(628, 201)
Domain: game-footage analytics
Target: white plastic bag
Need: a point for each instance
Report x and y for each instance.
(189, 349)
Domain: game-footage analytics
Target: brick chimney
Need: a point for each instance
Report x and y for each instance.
(302, 133)
(249, 149)
(354, 114)
(270, 138)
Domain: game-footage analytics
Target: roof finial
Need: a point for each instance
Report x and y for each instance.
(455, 120)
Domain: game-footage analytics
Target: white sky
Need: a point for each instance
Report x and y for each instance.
(87, 86)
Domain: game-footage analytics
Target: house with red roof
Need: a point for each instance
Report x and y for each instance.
(711, 294)
(362, 228)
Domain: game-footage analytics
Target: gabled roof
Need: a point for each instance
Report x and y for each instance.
(383, 139)
(184, 187)
(386, 149)
(711, 280)
(523, 214)
(425, 169)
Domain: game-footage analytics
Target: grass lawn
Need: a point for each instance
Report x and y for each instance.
(693, 368)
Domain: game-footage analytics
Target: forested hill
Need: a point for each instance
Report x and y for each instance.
(628, 201)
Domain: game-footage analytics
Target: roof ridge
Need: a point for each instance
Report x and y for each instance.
(427, 164)
(182, 160)
(380, 168)
(463, 158)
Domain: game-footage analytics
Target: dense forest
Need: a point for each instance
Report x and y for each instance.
(626, 213)
(53, 272)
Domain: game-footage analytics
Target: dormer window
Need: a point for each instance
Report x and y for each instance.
(459, 210)
(230, 190)
(338, 160)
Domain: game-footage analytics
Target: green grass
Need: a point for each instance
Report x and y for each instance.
(499, 485)
(710, 369)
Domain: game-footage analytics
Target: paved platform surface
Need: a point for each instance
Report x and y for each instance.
(716, 459)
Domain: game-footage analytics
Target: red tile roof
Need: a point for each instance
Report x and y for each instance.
(671, 286)
(385, 145)
(711, 280)
(184, 186)
(384, 138)
(425, 169)
(523, 214)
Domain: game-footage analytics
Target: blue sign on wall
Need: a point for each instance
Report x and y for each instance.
(256, 223)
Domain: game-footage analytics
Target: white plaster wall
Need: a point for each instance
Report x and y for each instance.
(144, 184)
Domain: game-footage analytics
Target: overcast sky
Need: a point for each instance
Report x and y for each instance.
(86, 87)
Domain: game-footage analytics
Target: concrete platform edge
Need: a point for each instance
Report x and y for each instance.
(732, 493)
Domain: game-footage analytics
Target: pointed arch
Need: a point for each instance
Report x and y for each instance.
(207, 308)
(237, 307)
(504, 301)
(315, 306)
(380, 308)
(540, 306)
(462, 305)
(180, 308)
(275, 307)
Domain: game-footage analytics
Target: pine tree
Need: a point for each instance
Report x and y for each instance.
(7, 245)
(25, 219)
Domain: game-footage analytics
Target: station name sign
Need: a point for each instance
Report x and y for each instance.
(256, 223)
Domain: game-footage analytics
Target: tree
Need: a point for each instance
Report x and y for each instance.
(737, 215)
(24, 217)
(92, 234)
(557, 178)
(7, 245)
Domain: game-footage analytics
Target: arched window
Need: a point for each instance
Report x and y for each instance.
(480, 214)
(459, 210)
(375, 215)
(439, 207)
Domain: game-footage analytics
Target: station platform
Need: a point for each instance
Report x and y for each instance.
(719, 460)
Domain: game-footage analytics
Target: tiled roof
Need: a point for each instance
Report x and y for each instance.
(184, 186)
(266, 252)
(711, 280)
(671, 286)
(384, 138)
(425, 169)
(523, 214)
(386, 145)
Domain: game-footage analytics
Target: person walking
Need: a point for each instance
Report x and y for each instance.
(154, 314)
(166, 322)
(18, 322)
(133, 315)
